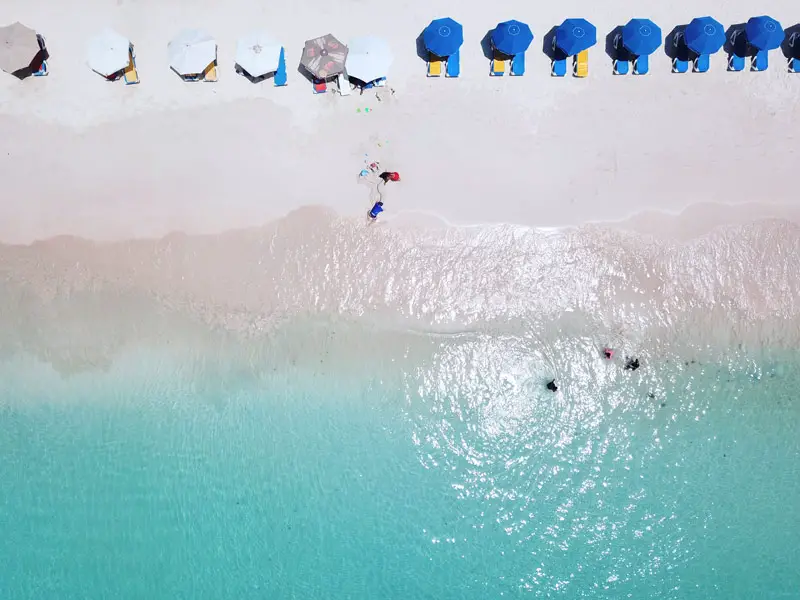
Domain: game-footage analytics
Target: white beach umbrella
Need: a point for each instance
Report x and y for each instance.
(369, 58)
(18, 47)
(258, 54)
(107, 52)
(191, 51)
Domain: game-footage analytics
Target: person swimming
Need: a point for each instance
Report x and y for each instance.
(631, 364)
(608, 353)
(551, 385)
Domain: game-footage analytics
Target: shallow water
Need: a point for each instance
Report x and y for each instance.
(299, 425)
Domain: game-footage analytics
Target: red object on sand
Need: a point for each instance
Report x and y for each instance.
(394, 176)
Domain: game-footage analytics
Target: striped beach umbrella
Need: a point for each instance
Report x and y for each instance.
(324, 56)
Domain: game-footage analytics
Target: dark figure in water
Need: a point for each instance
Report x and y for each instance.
(631, 364)
(551, 385)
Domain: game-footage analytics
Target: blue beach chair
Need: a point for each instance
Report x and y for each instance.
(735, 62)
(518, 64)
(701, 64)
(558, 68)
(453, 65)
(42, 72)
(760, 61)
(794, 65)
(679, 66)
(641, 65)
(620, 67)
(281, 78)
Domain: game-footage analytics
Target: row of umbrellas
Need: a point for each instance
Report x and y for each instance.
(704, 35)
(368, 58)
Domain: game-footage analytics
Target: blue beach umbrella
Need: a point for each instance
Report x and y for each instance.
(764, 33)
(575, 35)
(641, 37)
(512, 37)
(443, 37)
(704, 35)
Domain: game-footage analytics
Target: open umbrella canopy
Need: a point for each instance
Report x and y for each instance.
(764, 33)
(443, 37)
(18, 47)
(192, 51)
(574, 36)
(108, 52)
(512, 37)
(704, 35)
(258, 54)
(641, 37)
(368, 58)
(324, 56)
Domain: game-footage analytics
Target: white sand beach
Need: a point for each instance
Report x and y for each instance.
(82, 156)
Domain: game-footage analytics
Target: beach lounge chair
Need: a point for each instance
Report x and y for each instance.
(580, 64)
(518, 65)
(280, 75)
(735, 62)
(131, 74)
(620, 67)
(42, 71)
(498, 67)
(760, 61)
(320, 87)
(794, 65)
(641, 65)
(558, 67)
(380, 82)
(701, 63)
(434, 67)
(343, 84)
(453, 65)
(679, 66)
(210, 74)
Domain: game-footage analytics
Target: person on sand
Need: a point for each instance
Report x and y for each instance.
(376, 209)
(388, 176)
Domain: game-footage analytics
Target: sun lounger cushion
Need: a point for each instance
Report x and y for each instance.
(320, 87)
(679, 66)
(559, 68)
(580, 64)
(760, 61)
(620, 67)
(735, 62)
(210, 74)
(701, 63)
(518, 64)
(641, 65)
(453, 65)
(498, 67)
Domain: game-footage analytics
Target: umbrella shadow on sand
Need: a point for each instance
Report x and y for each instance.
(791, 43)
(736, 40)
(614, 48)
(36, 63)
(549, 47)
(238, 68)
(422, 49)
(486, 45)
(675, 44)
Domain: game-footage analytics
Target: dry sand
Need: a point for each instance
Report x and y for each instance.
(82, 156)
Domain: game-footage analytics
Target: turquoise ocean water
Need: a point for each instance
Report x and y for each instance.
(344, 459)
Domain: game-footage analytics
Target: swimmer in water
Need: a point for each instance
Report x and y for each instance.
(608, 353)
(631, 364)
(551, 385)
